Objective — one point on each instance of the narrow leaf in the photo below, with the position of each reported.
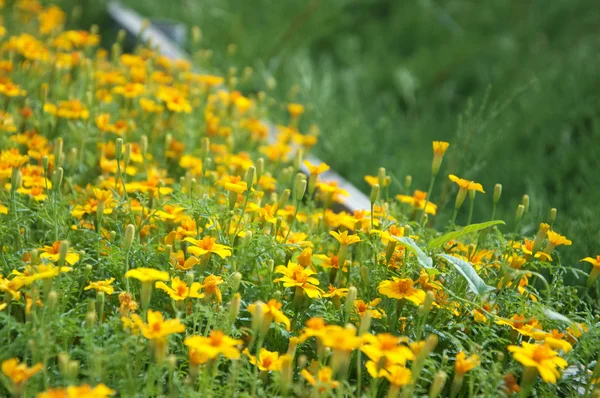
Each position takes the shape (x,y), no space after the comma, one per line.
(476,284)
(423,259)
(556,316)
(440,240)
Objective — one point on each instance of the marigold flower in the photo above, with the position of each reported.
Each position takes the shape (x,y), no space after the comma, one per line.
(102,286)
(210,285)
(362,307)
(82,391)
(315,327)
(385,345)
(439,149)
(266,361)
(340,339)
(147,274)
(157,327)
(233,184)
(555,239)
(52,253)
(217,343)
(418,201)
(398,376)
(18,372)
(207,245)
(295,110)
(316,169)
(540,357)
(272,312)
(179,290)
(464,364)
(344,238)
(466,184)
(401,288)
(295,275)
(324,380)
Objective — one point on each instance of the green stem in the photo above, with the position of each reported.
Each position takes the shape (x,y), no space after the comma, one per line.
(427,199)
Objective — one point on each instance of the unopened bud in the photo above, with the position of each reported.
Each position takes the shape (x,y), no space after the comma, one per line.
(519,214)
(52,299)
(236,280)
(381,173)
(525,202)
(439,381)
(460,198)
(365,322)
(364,274)
(57,178)
(234,307)
(260,167)
(196,34)
(298,159)
(119,148)
(283,199)
(350,299)
(553,212)
(63,250)
(375,189)
(129,235)
(247,238)
(45,162)
(250,176)
(205,147)
(257,315)
(144,145)
(300,187)
(497,192)
(58,150)
(407,183)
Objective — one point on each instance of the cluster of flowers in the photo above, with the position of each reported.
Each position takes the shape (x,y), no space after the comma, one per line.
(156,235)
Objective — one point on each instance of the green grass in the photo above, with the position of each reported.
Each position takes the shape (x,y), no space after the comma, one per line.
(383,78)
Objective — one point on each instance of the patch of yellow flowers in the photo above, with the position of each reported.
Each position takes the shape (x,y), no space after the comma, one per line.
(154,240)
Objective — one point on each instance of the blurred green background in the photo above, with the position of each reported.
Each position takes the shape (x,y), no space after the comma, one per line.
(514,85)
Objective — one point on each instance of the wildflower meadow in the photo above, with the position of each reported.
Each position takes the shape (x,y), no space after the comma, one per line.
(162,234)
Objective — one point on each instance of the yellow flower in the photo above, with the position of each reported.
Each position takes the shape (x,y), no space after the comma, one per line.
(210,285)
(147,274)
(267,360)
(295,110)
(594,261)
(540,357)
(18,372)
(520,324)
(157,327)
(179,290)
(102,286)
(398,376)
(344,238)
(440,147)
(51,253)
(272,312)
(233,184)
(340,339)
(466,184)
(464,364)
(82,391)
(401,288)
(179,261)
(297,276)
(324,380)
(385,345)
(316,169)
(555,239)
(418,201)
(207,245)
(315,327)
(130,90)
(554,339)
(362,307)
(217,343)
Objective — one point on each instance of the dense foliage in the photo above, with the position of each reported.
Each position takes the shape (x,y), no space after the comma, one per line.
(157,238)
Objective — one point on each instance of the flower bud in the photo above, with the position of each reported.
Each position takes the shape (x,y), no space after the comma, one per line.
(525,202)
(381,173)
(407,183)
(260,167)
(34,256)
(63,250)
(196,34)
(58,150)
(250,176)
(52,299)
(257,315)
(234,307)
(553,212)
(497,192)
(365,322)
(283,199)
(287,376)
(298,159)
(236,280)
(246,239)
(350,299)
(439,381)
(127,154)
(375,190)
(129,235)
(364,275)
(539,237)
(144,145)
(119,148)
(460,198)
(57,178)
(205,147)
(519,214)
(300,187)
(90,319)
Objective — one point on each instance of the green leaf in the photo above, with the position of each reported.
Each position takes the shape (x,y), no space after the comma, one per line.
(440,240)
(423,259)
(556,316)
(476,284)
